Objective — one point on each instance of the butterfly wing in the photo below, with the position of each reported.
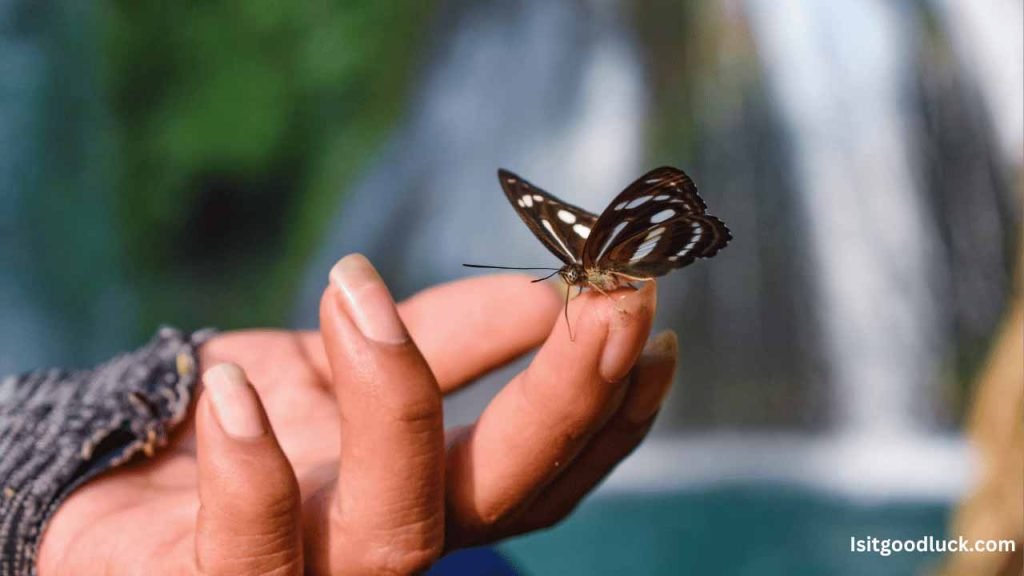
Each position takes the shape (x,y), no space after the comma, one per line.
(674,243)
(656,224)
(562,227)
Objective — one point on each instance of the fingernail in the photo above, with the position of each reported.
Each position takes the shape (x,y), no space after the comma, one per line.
(368,300)
(653,377)
(620,348)
(234,401)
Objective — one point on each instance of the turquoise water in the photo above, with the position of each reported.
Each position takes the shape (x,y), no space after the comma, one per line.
(762,531)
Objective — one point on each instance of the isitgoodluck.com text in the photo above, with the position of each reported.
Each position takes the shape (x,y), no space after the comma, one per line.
(888,546)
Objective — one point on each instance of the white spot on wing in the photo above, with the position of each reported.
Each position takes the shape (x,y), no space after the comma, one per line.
(693,241)
(521,203)
(661,197)
(566,216)
(526,201)
(653,234)
(538,198)
(638,201)
(620,206)
(644,249)
(551,231)
(611,237)
(582,230)
(662,216)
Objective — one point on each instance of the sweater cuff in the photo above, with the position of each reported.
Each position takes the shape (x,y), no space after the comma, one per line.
(59,429)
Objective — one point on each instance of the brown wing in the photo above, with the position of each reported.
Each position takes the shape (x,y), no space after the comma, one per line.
(562,227)
(657,223)
(671,244)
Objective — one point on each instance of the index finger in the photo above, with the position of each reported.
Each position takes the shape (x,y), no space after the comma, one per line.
(539,422)
(468,327)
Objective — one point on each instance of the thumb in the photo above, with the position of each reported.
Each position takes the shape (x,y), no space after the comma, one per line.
(249,519)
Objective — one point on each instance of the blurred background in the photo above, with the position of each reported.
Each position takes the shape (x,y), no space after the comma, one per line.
(204,164)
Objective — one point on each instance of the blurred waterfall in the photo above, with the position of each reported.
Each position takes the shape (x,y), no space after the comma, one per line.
(23,334)
(63,300)
(840,73)
(990,46)
(549,89)
(837,141)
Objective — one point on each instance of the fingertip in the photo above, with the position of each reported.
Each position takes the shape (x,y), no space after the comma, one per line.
(643,300)
(629,320)
(247,488)
(368,300)
(607,328)
(620,307)
(234,437)
(234,401)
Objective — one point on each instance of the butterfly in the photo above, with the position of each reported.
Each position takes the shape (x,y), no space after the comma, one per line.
(657,224)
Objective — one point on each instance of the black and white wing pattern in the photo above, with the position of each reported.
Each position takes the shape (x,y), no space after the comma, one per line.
(656,224)
(562,227)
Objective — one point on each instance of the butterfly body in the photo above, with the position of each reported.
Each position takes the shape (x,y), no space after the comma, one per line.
(577,275)
(658,223)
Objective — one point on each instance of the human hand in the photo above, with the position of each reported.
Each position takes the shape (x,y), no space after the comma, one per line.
(335,461)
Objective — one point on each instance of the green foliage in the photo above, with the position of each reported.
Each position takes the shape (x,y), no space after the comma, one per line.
(238,124)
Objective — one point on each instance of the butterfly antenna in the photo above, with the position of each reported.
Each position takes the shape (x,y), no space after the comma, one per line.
(568,289)
(545,278)
(507,267)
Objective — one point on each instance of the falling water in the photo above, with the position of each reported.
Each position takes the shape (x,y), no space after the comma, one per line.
(840,76)
(22,341)
(62,301)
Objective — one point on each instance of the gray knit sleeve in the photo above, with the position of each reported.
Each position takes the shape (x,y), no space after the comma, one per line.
(58,429)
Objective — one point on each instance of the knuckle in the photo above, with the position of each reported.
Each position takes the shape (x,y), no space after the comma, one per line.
(277,492)
(424,411)
(396,548)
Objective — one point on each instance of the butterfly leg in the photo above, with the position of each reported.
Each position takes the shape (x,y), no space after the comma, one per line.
(630,280)
(565,309)
(609,296)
